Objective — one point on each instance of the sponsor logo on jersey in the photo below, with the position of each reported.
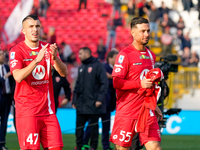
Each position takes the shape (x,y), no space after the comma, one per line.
(89,69)
(40,82)
(144,57)
(143,74)
(137,63)
(13,63)
(39,72)
(27,59)
(121,58)
(12,55)
(33,53)
(120,66)
(117,70)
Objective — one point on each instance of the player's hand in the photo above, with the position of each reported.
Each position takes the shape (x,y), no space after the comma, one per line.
(98,103)
(41,53)
(73,106)
(146,83)
(158,113)
(54,50)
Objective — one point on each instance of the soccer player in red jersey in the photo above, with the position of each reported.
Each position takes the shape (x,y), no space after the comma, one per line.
(131,66)
(30,63)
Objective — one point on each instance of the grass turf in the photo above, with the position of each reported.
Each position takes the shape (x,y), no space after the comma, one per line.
(169,142)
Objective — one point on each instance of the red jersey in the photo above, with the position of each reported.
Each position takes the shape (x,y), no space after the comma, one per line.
(34,95)
(131,65)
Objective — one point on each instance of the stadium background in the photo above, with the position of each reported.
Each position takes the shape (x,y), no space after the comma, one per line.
(84,28)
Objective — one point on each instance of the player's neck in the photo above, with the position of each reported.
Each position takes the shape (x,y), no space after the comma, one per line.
(31,44)
(139,47)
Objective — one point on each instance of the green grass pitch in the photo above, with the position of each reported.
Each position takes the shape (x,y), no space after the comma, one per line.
(169,142)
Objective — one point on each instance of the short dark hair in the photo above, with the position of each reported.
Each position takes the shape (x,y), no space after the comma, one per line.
(138,20)
(34,17)
(86,49)
(111,54)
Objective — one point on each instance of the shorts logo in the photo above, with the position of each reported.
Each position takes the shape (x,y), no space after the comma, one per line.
(143,73)
(39,72)
(121,58)
(12,55)
(117,70)
(114,137)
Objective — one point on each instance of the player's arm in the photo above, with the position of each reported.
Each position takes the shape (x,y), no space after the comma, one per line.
(58,64)
(21,74)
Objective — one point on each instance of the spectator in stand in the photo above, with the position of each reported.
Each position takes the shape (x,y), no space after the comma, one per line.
(112,24)
(130,11)
(166,42)
(185,57)
(101,50)
(58,83)
(44,4)
(187,4)
(186,41)
(80,3)
(177,42)
(194,59)
(72,59)
(180,24)
(166,21)
(163,9)
(34,10)
(116,7)
(43,34)
(67,51)
(140,5)
(153,15)
(51,37)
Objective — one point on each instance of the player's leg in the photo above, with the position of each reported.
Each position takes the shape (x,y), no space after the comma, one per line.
(151,137)
(153,145)
(117,147)
(51,136)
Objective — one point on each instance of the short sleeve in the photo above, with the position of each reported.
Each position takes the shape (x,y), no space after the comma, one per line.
(121,65)
(16,61)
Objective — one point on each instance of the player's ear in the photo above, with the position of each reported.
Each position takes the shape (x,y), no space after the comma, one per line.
(132,32)
(23,31)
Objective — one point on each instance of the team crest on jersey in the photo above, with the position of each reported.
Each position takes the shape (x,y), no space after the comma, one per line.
(12,55)
(39,72)
(33,53)
(57,79)
(144,57)
(121,59)
(89,69)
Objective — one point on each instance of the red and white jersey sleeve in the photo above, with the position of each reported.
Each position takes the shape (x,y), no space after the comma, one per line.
(34,95)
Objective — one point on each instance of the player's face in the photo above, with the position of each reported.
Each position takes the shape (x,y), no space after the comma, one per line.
(112,60)
(141,33)
(31,30)
(82,55)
